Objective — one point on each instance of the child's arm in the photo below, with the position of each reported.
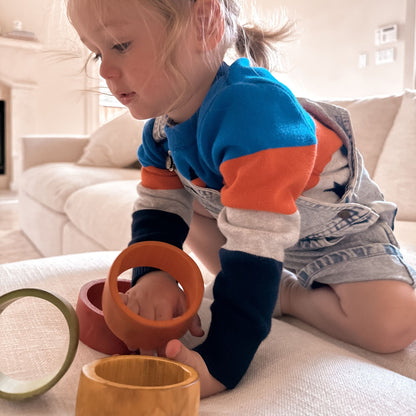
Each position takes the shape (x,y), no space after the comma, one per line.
(263,171)
(265,151)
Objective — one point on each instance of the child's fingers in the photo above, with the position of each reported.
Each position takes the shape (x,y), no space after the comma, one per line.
(124,297)
(130,302)
(163,312)
(195,328)
(175,350)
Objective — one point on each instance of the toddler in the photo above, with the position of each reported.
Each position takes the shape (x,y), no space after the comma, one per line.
(268,191)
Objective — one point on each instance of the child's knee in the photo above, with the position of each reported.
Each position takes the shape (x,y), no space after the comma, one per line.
(382,314)
(394,330)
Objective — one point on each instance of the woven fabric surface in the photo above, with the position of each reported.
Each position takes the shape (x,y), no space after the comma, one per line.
(294,372)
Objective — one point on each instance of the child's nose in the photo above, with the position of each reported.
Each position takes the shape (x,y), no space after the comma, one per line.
(108,70)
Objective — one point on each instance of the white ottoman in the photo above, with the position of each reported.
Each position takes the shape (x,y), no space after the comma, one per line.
(294,372)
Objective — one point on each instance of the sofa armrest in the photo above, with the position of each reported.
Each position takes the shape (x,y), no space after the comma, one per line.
(39,149)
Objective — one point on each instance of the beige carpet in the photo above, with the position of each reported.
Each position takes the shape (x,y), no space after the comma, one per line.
(14,246)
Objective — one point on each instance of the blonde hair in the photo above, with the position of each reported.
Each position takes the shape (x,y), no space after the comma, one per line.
(253,41)
(248,40)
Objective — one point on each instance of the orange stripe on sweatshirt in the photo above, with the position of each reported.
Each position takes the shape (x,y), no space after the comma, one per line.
(199,182)
(155,178)
(328,143)
(269,180)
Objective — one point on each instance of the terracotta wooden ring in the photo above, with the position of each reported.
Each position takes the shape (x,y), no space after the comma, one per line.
(131,385)
(93,331)
(133,329)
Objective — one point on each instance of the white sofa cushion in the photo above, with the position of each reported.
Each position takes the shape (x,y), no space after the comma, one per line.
(396,169)
(372,119)
(42,225)
(75,241)
(405,232)
(103,212)
(397,362)
(293,373)
(51,184)
(115,143)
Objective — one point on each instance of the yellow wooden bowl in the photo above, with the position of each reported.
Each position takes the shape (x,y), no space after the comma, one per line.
(128,385)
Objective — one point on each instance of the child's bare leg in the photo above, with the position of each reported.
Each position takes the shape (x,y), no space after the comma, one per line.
(377,315)
(205,239)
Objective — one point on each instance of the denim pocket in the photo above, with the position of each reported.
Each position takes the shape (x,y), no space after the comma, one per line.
(330,222)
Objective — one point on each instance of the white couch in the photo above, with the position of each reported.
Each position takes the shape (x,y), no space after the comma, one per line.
(77,192)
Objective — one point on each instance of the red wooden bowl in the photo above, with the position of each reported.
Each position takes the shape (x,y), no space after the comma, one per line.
(133,329)
(93,331)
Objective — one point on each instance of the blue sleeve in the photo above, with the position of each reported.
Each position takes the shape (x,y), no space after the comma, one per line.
(152,152)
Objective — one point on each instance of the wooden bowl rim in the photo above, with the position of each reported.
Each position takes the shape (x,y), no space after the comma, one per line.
(84,292)
(89,370)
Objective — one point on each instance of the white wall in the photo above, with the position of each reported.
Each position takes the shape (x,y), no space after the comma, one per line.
(323,62)
(331,35)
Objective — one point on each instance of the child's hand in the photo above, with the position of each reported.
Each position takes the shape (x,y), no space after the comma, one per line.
(175,350)
(157,296)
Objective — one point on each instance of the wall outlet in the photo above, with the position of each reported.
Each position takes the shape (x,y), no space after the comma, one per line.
(385,56)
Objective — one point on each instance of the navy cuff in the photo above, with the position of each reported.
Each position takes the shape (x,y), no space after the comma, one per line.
(156,225)
(245,293)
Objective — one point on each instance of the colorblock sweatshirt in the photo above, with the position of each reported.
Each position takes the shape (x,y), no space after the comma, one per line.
(246,155)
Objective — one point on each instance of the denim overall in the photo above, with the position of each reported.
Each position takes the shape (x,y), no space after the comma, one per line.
(347,241)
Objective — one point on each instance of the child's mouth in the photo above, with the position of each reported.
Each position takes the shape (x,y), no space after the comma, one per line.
(126,98)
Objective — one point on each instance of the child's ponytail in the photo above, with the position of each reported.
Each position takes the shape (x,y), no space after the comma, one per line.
(253,41)
(257,44)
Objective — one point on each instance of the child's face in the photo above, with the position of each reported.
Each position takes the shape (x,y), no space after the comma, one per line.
(128,45)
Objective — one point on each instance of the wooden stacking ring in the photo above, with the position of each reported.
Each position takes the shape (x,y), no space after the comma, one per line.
(13,389)
(93,331)
(133,329)
(131,385)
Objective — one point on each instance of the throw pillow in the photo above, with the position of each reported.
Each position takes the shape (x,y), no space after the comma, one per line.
(115,143)
(372,119)
(396,168)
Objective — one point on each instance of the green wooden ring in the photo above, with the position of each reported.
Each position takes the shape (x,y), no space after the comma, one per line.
(12,389)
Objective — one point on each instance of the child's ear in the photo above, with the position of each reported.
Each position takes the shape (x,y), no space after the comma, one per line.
(208,23)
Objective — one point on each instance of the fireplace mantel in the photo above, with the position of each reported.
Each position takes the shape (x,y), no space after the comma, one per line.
(9,82)
(31,45)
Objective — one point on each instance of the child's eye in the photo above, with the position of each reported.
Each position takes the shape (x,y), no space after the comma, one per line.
(122,47)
